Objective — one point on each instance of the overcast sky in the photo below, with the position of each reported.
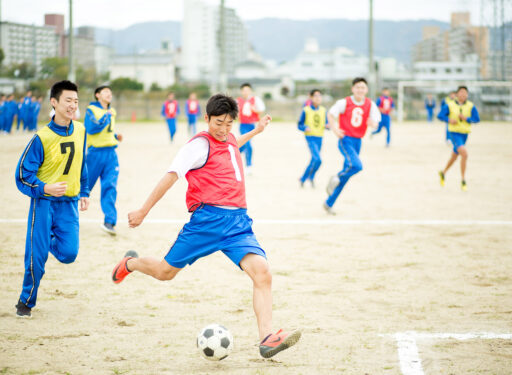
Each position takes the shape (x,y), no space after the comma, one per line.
(118,14)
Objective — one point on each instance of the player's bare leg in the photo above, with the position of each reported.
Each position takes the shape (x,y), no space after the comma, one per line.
(159,269)
(272,343)
(257,268)
(452,159)
(463,162)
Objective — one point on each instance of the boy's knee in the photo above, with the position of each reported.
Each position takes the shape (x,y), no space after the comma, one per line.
(67,258)
(356,168)
(164,274)
(263,277)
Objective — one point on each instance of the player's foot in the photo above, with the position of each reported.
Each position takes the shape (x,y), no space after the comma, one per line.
(109,228)
(22,310)
(277,342)
(121,270)
(441,178)
(329,209)
(334,181)
(248,171)
(463,185)
(312,184)
(301,183)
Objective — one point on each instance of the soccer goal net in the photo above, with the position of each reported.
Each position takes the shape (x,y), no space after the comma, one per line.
(492,98)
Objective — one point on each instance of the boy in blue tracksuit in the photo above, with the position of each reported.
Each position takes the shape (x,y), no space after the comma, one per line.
(53,173)
(386,104)
(19,115)
(102,161)
(12,110)
(312,122)
(25,110)
(3,113)
(32,114)
(430,105)
(192,110)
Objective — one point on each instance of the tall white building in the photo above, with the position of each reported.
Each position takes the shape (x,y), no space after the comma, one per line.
(27,43)
(200,57)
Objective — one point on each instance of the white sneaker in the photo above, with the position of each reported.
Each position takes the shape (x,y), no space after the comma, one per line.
(109,228)
(329,210)
(334,181)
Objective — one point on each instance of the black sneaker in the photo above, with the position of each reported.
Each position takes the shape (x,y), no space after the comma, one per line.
(22,310)
(109,228)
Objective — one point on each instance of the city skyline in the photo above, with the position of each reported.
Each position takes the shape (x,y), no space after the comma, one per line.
(102,14)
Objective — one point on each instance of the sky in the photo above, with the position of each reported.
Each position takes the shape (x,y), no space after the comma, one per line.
(118,14)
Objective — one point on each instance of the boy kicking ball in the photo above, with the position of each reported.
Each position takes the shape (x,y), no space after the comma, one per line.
(212,165)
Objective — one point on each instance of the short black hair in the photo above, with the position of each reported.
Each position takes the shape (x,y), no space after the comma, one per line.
(312,92)
(462,87)
(98,89)
(60,86)
(359,79)
(220,104)
(245,84)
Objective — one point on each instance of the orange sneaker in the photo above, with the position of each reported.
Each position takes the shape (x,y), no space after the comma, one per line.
(279,341)
(120,270)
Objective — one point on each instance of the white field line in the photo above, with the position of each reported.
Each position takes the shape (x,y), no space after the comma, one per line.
(408,355)
(428,222)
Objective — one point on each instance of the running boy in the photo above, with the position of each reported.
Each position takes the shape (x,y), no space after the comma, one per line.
(212,164)
(53,173)
(459,114)
(385,104)
(312,122)
(250,108)
(102,161)
(354,114)
(170,111)
(193,111)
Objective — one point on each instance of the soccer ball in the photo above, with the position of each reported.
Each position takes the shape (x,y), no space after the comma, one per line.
(215,342)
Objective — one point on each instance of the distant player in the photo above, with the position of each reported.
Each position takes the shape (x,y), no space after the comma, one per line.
(460,114)
(312,122)
(53,173)
(25,110)
(250,107)
(3,112)
(102,161)
(193,111)
(12,110)
(385,103)
(430,105)
(445,101)
(212,164)
(349,119)
(170,111)
(308,101)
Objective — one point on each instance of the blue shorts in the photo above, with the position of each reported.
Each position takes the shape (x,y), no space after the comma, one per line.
(211,229)
(457,139)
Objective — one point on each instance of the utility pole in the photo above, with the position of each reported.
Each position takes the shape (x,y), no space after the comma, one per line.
(502,29)
(371,67)
(71,64)
(222,50)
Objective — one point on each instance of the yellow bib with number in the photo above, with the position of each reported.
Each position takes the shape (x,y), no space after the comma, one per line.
(462,126)
(315,121)
(106,137)
(63,157)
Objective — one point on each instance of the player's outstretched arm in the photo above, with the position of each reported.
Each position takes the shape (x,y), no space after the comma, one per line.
(260,126)
(136,217)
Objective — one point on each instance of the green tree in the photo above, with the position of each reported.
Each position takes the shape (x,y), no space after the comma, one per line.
(23,70)
(155,87)
(124,84)
(86,77)
(55,68)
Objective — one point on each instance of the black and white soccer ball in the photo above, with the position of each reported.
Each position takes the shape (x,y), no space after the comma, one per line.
(215,342)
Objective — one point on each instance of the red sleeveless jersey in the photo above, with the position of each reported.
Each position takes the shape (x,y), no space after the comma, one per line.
(247,115)
(220,181)
(193,106)
(354,121)
(171,107)
(385,104)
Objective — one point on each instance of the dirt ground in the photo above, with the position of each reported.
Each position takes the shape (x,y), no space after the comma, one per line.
(384,264)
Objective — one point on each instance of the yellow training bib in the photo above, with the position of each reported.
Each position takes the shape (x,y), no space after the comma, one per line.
(462,126)
(63,157)
(315,120)
(106,137)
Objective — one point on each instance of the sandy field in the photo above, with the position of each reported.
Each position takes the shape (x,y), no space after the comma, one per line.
(402,255)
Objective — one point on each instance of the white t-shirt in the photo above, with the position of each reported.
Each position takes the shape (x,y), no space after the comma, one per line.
(258,103)
(192,155)
(339,108)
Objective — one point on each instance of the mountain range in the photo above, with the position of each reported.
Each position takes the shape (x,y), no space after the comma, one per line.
(282,39)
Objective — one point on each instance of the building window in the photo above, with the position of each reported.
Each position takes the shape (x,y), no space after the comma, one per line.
(448,70)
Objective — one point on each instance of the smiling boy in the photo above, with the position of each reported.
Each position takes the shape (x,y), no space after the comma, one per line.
(212,164)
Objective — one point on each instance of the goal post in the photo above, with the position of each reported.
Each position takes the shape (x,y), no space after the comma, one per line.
(446,86)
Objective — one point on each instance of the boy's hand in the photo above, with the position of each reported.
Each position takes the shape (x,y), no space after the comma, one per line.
(135,218)
(262,124)
(56,190)
(119,137)
(461,116)
(453,121)
(84,203)
(307,129)
(372,124)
